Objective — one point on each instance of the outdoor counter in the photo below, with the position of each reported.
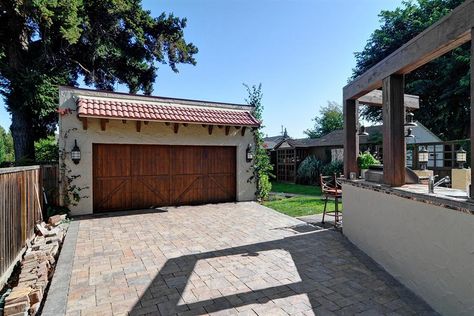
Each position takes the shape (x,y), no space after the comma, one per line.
(444,197)
(426,241)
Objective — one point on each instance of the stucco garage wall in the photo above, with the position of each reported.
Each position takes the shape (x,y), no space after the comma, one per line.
(428,248)
(152,134)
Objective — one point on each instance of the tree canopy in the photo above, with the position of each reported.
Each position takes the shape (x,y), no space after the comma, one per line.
(47,149)
(102,43)
(6,146)
(330,119)
(443,84)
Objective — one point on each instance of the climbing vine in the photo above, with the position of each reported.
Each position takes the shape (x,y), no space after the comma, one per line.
(261,166)
(72,193)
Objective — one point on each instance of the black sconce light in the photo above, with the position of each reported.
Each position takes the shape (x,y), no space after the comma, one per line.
(75,153)
(461,157)
(410,133)
(249,153)
(362,131)
(410,119)
(423,157)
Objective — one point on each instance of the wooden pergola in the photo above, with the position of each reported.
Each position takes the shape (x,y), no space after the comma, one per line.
(448,33)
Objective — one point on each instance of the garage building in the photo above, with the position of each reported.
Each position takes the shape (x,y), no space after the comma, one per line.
(139,152)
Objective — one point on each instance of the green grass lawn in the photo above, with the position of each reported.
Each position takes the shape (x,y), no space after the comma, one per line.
(299,206)
(281,187)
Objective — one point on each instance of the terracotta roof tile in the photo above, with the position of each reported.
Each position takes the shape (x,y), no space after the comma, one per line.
(90,107)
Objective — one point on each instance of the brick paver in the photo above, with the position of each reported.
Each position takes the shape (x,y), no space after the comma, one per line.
(225,259)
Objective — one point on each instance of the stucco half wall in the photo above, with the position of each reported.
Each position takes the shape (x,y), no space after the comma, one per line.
(70,129)
(428,248)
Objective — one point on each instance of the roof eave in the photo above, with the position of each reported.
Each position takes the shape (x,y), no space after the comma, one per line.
(80,115)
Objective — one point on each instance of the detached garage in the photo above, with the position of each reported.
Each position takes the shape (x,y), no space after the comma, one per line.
(126,152)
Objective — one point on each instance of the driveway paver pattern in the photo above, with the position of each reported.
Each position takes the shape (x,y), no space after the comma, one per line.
(225,259)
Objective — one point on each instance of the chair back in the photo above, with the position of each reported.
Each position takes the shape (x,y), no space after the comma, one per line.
(330,185)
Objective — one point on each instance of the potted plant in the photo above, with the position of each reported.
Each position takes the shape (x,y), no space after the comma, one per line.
(365,160)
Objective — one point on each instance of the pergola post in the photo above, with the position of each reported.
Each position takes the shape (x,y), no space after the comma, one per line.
(351,141)
(471,188)
(393,130)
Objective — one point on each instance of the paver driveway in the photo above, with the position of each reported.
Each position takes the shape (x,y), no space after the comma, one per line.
(234,258)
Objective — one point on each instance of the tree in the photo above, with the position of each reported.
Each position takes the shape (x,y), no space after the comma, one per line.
(443,84)
(330,119)
(261,165)
(47,149)
(44,44)
(6,146)
(2,148)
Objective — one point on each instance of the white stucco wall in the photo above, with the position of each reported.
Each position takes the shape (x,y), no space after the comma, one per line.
(153,134)
(430,249)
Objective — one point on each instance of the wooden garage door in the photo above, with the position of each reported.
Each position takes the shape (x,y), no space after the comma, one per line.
(147,176)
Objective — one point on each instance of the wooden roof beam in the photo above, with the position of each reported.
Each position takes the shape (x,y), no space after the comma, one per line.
(84,123)
(103,123)
(374,98)
(448,33)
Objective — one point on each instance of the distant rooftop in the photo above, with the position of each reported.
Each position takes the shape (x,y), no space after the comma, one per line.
(336,138)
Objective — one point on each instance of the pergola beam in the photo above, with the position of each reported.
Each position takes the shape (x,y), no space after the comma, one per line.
(448,33)
(451,31)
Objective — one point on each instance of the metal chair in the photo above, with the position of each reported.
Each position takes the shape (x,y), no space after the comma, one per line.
(331,188)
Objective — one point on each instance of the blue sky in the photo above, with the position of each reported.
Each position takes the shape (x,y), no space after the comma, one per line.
(300,50)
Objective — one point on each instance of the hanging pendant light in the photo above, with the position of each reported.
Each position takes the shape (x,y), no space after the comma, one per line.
(423,157)
(410,119)
(461,157)
(409,133)
(362,131)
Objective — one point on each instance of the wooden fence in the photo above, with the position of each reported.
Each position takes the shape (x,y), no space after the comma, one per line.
(20,209)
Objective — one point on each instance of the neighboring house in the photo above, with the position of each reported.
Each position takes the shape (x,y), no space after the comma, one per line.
(139,152)
(290,152)
(270,143)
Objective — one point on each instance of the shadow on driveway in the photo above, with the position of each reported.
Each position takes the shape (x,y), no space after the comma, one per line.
(333,275)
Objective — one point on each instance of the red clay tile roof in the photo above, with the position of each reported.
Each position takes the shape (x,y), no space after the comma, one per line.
(132,110)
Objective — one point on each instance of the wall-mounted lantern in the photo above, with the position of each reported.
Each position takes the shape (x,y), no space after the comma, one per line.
(75,153)
(249,153)
(423,157)
(461,157)
(362,131)
(410,119)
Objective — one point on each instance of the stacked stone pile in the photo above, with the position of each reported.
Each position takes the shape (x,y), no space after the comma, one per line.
(37,267)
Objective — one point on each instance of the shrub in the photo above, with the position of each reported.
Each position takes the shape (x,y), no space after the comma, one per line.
(309,170)
(365,160)
(47,149)
(334,167)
